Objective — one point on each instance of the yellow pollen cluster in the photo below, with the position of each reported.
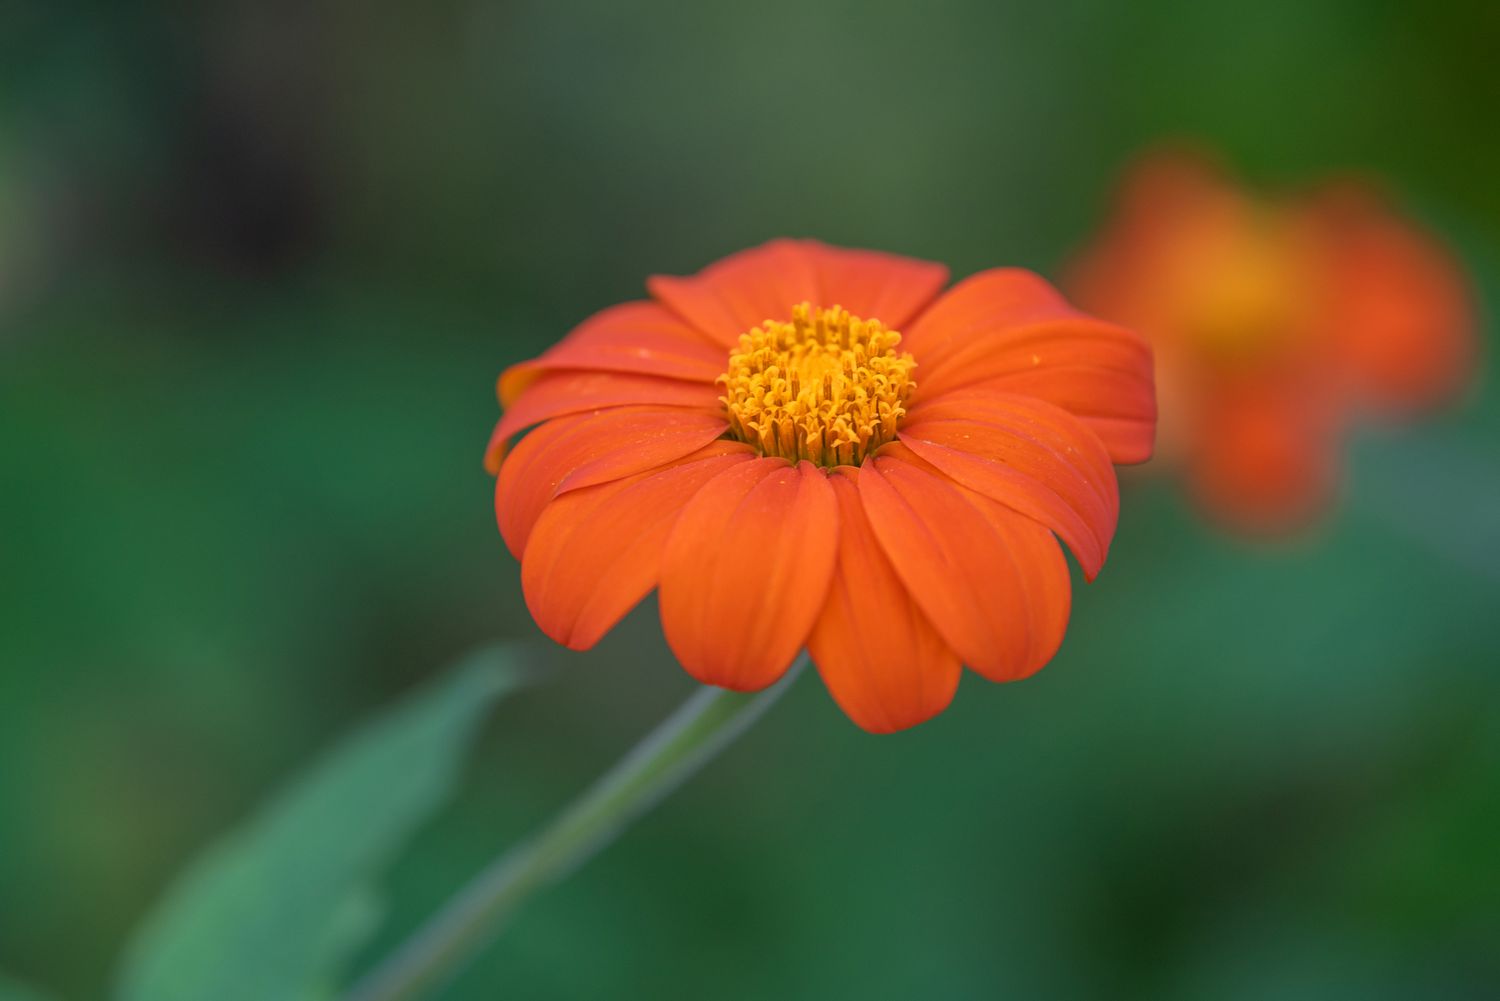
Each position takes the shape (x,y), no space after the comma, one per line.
(827,386)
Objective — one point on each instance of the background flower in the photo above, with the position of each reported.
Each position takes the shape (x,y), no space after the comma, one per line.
(1278,322)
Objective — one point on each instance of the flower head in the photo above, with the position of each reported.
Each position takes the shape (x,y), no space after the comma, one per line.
(801,448)
(1276,321)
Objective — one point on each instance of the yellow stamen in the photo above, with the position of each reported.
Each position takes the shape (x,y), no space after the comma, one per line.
(827,386)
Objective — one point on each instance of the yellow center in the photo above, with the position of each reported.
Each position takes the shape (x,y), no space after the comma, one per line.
(826,386)
(1243,294)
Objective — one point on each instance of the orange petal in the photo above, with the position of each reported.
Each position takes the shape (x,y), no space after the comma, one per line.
(746,571)
(596,552)
(994,583)
(1030,456)
(1396,302)
(1042,574)
(744,290)
(1009,330)
(1265,457)
(639,337)
(578,451)
(556,394)
(870,283)
(883,662)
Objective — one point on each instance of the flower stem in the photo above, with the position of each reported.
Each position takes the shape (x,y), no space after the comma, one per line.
(687,740)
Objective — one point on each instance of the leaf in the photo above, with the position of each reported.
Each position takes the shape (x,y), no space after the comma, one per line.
(275,910)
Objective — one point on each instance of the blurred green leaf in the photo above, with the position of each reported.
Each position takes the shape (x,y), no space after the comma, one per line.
(274,911)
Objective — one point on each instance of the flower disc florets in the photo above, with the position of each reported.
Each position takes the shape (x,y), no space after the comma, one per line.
(826,386)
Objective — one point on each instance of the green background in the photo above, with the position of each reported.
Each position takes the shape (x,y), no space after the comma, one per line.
(259,266)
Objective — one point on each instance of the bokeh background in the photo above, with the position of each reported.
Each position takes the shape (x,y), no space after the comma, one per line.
(259,266)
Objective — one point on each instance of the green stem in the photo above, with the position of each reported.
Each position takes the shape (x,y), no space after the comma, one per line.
(688,739)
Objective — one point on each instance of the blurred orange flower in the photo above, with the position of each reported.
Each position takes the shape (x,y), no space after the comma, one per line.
(761,442)
(1275,321)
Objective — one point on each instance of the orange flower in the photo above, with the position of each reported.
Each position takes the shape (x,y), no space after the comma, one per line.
(802,449)
(1275,322)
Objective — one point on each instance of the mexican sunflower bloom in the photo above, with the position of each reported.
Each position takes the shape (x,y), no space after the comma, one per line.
(1277,322)
(806,446)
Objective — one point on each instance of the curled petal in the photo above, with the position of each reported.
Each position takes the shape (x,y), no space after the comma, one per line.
(1010,331)
(1042,577)
(557,394)
(639,337)
(993,582)
(744,290)
(882,660)
(1028,455)
(579,451)
(746,571)
(596,552)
